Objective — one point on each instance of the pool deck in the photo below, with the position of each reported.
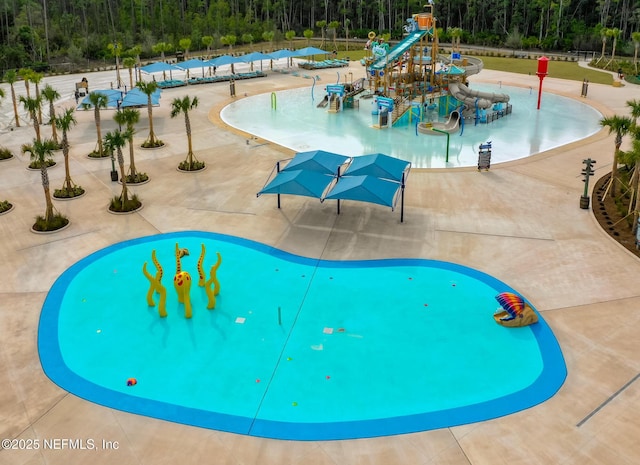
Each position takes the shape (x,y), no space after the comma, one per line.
(519,222)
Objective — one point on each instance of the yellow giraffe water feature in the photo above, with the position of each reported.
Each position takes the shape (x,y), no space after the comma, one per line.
(212,293)
(182,282)
(155,285)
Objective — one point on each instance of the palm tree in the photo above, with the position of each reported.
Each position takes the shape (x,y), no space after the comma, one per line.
(347,23)
(161,48)
(308,34)
(129,63)
(635,37)
(621,125)
(207,41)
(456,34)
(32,105)
(11,77)
(51,95)
(114,141)
(116,50)
(25,74)
(4,152)
(65,122)
(40,152)
(604,34)
(229,40)
(321,24)
(36,78)
(149,88)
(184,105)
(247,39)
(289,35)
(185,45)
(334,25)
(97,100)
(135,52)
(129,117)
(615,33)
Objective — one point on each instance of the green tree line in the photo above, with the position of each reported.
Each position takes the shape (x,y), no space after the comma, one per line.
(37,32)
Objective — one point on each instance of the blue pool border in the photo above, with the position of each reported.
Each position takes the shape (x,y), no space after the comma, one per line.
(544,387)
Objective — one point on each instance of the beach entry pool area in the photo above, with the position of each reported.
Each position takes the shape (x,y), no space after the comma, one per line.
(296,348)
(297,123)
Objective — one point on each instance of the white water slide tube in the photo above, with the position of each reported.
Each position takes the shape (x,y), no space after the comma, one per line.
(469,96)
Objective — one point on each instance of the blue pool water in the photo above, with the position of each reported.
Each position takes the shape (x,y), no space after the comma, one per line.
(298,124)
(296,348)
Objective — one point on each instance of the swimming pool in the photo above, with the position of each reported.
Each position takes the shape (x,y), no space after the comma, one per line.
(296,348)
(298,124)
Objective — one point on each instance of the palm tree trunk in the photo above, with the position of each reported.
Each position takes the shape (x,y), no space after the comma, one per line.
(48,214)
(96,114)
(614,169)
(132,162)
(187,124)
(36,126)
(15,106)
(67,174)
(152,137)
(124,197)
(52,115)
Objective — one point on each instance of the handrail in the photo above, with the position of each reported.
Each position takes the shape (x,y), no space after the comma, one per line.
(448,136)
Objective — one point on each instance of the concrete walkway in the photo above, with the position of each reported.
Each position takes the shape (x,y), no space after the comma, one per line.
(519,222)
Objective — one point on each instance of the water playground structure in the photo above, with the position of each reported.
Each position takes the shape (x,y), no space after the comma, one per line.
(413,83)
(182,282)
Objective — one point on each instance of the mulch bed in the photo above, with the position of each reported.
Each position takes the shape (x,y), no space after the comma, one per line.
(610,218)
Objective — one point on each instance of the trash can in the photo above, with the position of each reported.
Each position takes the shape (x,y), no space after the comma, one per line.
(584,202)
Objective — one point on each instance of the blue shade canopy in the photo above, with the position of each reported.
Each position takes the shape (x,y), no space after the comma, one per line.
(193,63)
(298,182)
(365,189)
(303,52)
(113,95)
(255,56)
(136,98)
(224,60)
(283,54)
(378,165)
(317,161)
(158,67)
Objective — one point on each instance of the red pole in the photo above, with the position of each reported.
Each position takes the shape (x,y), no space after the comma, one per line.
(543,63)
(541,76)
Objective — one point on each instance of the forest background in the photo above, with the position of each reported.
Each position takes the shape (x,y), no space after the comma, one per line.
(40,33)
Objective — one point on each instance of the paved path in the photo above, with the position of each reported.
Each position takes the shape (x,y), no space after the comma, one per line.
(520,222)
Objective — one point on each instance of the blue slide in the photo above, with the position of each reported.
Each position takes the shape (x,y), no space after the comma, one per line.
(397,51)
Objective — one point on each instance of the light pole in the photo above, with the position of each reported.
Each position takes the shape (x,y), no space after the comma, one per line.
(115,52)
(114,172)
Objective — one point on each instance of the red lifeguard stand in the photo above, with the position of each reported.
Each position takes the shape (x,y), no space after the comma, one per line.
(543,66)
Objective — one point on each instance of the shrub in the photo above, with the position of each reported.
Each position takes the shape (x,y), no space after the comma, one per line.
(149,145)
(75,191)
(57,222)
(5,206)
(138,178)
(195,166)
(35,165)
(5,153)
(132,204)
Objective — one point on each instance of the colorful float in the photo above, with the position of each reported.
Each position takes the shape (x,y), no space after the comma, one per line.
(514,312)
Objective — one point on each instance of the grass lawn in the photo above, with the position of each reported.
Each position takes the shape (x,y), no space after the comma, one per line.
(557,69)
